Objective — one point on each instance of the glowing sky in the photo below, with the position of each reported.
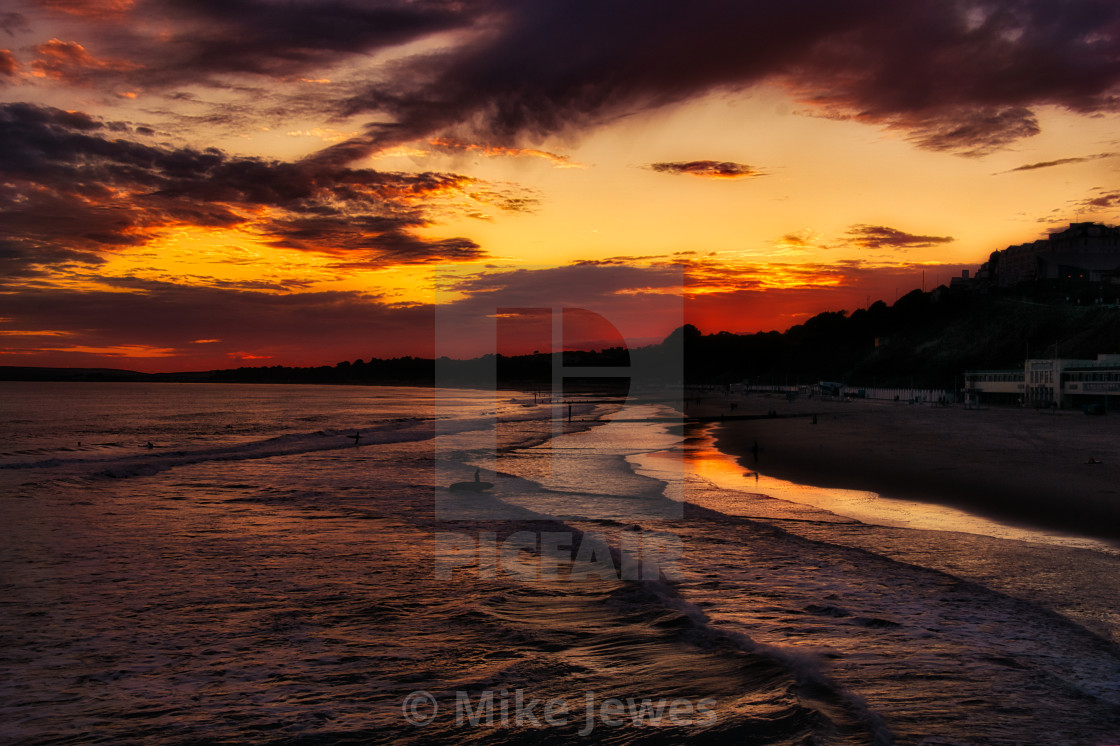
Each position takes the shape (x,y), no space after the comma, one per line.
(215,183)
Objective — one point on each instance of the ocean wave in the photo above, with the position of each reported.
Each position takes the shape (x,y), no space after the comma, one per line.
(160,458)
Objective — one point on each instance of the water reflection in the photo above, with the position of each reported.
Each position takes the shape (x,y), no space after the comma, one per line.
(702,461)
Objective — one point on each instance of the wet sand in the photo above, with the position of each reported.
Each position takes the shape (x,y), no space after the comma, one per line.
(1078,579)
(1056,470)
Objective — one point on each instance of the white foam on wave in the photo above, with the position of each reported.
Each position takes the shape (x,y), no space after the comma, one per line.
(156,460)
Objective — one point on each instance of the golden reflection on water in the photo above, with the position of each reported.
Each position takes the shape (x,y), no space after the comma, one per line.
(701,460)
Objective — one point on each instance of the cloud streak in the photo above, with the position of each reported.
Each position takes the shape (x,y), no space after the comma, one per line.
(885,237)
(448,145)
(707,169)
(1061,162)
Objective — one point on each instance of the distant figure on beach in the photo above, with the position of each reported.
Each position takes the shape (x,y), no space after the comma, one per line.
(476,486)
(356,436)
(149,446)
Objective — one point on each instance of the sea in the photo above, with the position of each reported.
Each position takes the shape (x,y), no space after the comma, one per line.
(273,564)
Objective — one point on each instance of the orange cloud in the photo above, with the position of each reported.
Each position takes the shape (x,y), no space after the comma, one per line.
(127,351)
(68,61)
(36,333)
(9,65)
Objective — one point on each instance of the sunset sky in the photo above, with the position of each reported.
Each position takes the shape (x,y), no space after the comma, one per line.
(217,183)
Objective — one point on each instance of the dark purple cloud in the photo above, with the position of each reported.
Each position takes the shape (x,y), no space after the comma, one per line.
(1107,199)
(957,76)
(963,76)
(283,39)
(175,43)
(708,169)
(10,23)
(965,130)
(885,237)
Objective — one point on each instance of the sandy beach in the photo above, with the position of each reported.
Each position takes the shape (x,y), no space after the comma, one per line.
(1057,470)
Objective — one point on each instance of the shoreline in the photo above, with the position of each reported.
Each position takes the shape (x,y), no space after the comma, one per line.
(1076,578)
(1018,467)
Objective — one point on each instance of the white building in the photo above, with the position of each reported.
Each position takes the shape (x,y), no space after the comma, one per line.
(1060,382)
